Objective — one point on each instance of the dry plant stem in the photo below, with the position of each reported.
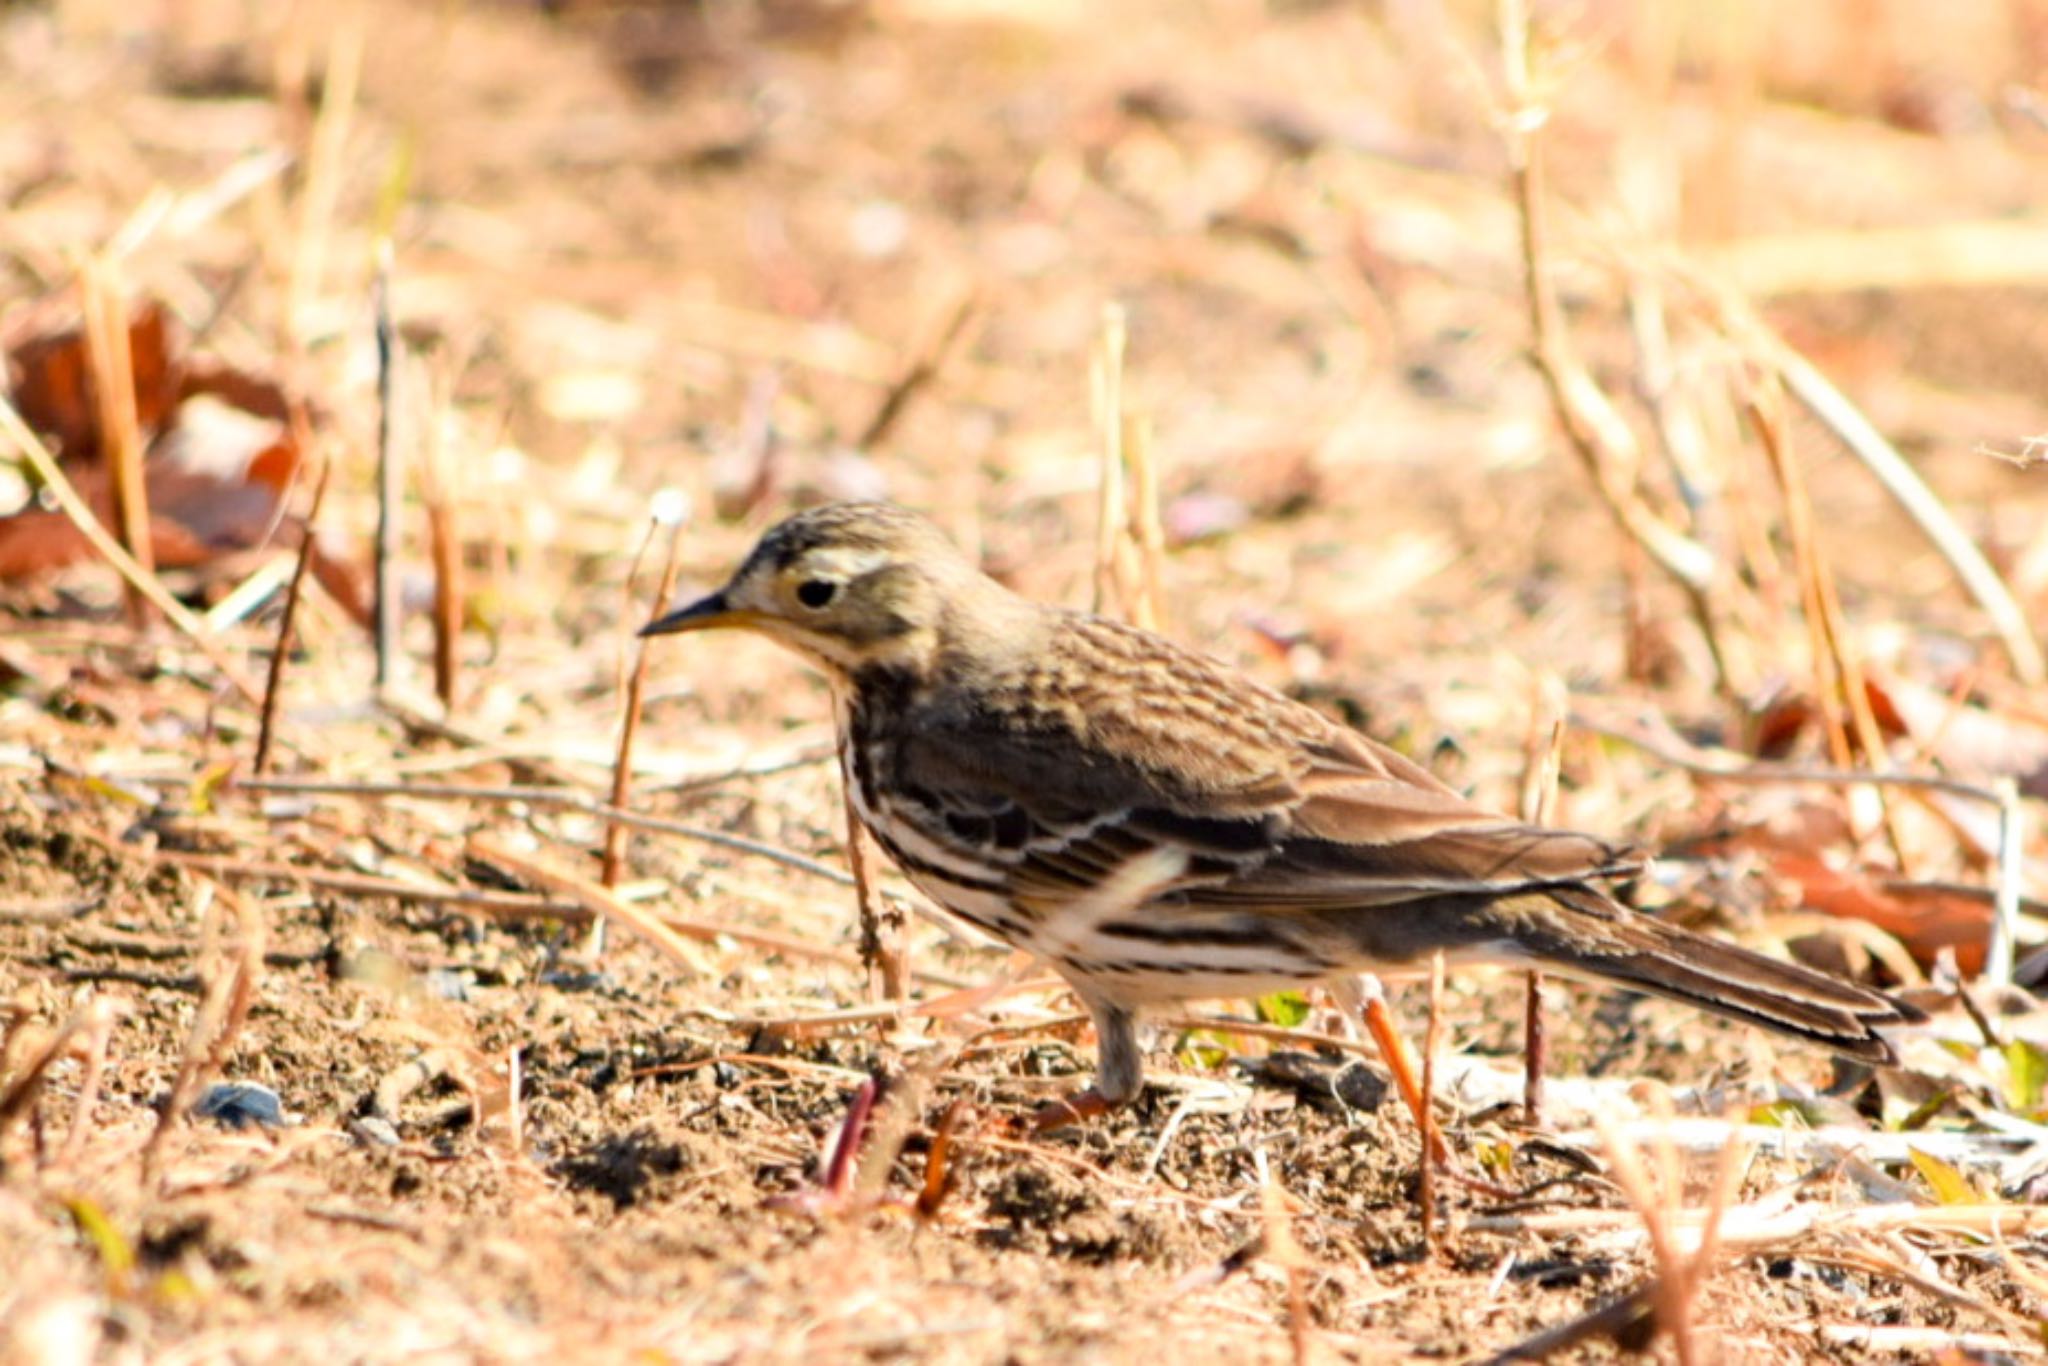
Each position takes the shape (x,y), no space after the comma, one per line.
(1899,479)
(254,934)
(325,161)
(633,690)
(567,798)
(927,362)
(1680,1276)
(144,582)
(515,1121)
(390,477)
(18,1095)
(1620,1319)
(2005,921)
(939,1168)
(1674,751)
(1541,760)
(1594,431)
(1282,1248)
(508,905)
(1111,517)
(273,684)
(444,549)
(101,1013)
(113,385)
(1838,674)
(230,989)
(1366,1001)
(1431,1236)
(1149,532)
(597,900)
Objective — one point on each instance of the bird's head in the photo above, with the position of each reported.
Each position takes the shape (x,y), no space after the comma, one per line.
(849,585)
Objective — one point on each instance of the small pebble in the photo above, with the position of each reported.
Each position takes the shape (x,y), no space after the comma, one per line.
(373,1131)
(239,1104)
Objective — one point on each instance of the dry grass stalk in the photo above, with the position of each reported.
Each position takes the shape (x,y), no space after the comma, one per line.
(1363,1000)
(1431,1038)
(940,1169)
(113,386)
(230,990)
(325,161)
(1149,611)
(101,1013)
(27,1054)
(1112,516)
(1838,674)
(1680,1276)
(595,899)
(2005,920)
(1285,1251)
(143,581)
(882,950)
(444,552)
(1595,430)
(1542,754)
(927,361)
(390,591)
(1861,439)
(515,1113)
(273,684)
(632,688)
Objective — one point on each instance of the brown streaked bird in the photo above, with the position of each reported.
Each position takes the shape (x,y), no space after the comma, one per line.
(1159,827)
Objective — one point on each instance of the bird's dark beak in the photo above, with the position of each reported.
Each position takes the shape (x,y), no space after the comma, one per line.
(701,615)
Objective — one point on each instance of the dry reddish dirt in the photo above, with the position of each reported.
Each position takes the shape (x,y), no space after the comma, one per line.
(696,248)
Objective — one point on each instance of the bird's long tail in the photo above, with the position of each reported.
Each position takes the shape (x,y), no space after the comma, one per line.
(1629,949)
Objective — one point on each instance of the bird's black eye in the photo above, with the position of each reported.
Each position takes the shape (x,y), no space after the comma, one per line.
(816,593)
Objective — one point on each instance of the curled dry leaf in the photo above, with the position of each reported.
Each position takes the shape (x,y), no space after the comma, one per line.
(221,457)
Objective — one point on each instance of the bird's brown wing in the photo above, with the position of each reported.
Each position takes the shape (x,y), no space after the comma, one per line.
(1271,804)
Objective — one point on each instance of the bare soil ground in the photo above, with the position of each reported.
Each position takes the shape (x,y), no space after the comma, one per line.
(702,249)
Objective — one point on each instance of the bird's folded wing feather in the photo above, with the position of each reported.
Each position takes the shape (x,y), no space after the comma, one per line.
(1328,821)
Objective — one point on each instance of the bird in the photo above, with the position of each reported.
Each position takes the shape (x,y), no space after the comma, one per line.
(1157,826)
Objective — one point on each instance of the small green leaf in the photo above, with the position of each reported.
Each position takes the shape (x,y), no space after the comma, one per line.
(206,791)
(117,1255)
(1949,1185)
(1284,1008)
(2026,1075)
(1926,1110)
(1204,1048)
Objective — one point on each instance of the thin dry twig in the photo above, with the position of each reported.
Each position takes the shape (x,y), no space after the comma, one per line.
(1431,1236)
(1838,674)
(1111,515)
(928,359)
(1596,432)
(229,992)
(390,478)
(1542,754)
(1283,1249)
(273,684)
(102,1014)
(113,367)
(631,692)
(444,553)
(1146,529)
(1861,438)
